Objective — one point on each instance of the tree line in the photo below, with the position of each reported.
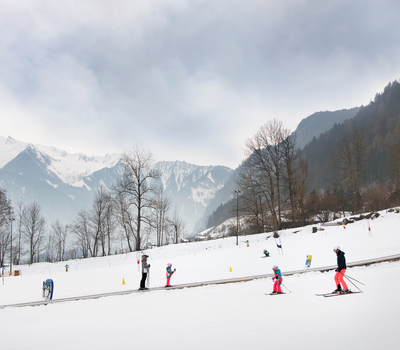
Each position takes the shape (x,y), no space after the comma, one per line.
(121,219)
(352,168)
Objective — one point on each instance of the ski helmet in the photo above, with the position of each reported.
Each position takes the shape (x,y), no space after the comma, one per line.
(274,267)
(169,264)
(336,248)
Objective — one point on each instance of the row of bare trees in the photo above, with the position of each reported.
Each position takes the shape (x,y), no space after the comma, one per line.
(135,208)
(121,219)
(22,232)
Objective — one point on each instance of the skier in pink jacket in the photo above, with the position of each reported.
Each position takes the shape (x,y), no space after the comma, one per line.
(278,280)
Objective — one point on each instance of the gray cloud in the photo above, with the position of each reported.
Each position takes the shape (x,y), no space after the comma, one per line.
(187,80)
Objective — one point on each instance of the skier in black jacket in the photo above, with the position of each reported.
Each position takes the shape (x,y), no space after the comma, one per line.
(340,271)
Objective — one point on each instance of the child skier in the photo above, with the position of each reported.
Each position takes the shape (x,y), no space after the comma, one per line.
(266,253)
(340,271)
(278,280)
(169,274)
(145,269)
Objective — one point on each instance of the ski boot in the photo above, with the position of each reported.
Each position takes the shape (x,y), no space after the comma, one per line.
(338,290)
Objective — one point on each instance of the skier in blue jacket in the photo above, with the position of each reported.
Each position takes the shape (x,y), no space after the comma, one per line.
(169,274)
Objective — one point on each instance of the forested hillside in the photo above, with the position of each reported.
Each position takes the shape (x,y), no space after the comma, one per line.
(380,124)
(354,166)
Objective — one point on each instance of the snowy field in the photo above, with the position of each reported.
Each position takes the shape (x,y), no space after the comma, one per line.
(226,316)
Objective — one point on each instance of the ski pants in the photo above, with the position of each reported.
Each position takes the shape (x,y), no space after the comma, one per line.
(143,281)
(168,281)
(339,279)
(277,285)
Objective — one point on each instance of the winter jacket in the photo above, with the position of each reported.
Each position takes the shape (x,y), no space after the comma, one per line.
(169,272)
(145,266)
(341,261)
(278,275)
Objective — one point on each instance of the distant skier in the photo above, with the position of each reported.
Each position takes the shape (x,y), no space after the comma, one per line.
(66,268)
(266,253)
(169,274)
(340,271)
(145,270)
(248,243)
(47,289)
(278,280)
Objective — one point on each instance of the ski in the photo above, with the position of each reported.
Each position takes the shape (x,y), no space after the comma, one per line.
(323,294)
(337,294)
(333,294)
(275,293)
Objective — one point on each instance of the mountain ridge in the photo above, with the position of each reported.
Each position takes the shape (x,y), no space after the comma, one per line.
(65,183)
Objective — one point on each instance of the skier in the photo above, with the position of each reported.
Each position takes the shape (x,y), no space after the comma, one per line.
(145,269)
(66,268)
(266,253)
(248,243)
(340,271)
(278,280)
(169,274)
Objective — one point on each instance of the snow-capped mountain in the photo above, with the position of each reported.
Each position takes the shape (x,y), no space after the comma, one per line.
(192,187)
(70,168)
(63,183)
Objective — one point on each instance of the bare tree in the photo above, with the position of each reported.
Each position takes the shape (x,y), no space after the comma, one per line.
(18,247)
(252,204)
(162,206)
(34,228)
(178,226)
(59,234)
(102,222)
(125,219)
(83,233)
(135,185)
(6,214)
(294,173)
(49,248)
(264,151)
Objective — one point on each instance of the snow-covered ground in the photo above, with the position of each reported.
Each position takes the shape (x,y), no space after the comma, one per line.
(226,316)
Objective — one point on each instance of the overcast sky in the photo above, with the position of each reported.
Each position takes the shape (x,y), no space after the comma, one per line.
(187,80)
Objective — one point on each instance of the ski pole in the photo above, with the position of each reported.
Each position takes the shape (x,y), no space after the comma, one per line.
(355,280)
(286,287)
(352,283)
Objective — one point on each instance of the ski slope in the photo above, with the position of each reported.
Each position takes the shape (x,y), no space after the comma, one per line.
(223,316)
